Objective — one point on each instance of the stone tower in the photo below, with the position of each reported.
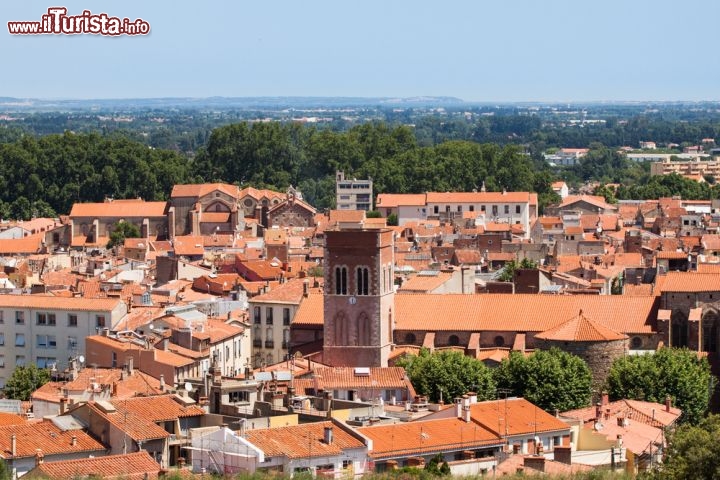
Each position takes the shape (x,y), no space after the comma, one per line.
(359,297)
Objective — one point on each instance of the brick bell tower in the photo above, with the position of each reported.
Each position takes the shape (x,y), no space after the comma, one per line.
(359,297)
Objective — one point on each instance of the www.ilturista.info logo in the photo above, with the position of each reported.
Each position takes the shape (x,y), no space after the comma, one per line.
(57,21)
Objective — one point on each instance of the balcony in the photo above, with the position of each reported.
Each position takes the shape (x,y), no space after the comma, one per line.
(269,344)
(257,343)
(285,344)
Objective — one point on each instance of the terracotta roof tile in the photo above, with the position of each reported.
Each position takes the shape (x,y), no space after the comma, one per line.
(202,189)
(58,303)
(580,329)
(290,292)
(423,283)
(594,200)
(429,436)
(478,197)
(345,378)
(691,282)
(522,417)
(132,466)
(189,245)
(301,441)
(122,209)
(47,437)
(393,200)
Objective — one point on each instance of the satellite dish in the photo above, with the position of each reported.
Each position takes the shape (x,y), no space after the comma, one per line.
(151,326)
(188,387)
(81,358)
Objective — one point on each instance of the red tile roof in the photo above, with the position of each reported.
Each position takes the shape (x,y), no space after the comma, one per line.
(200,190)
(691,282)
(290,292)
(189,245)
(345,378)
(393,200)
(58,303)
(515,416)
(302,441)
(478,197)
(581,329)
(132,466)
(426,437)
(121,209)
(47,437)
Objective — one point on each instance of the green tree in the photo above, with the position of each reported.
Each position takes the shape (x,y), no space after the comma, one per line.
(392,220)
(692,452)
(677,373)
(372,214)
(450,372)
(25,380)
(5,472)
(508,272)
(551,379)
(121,231)
(438,466)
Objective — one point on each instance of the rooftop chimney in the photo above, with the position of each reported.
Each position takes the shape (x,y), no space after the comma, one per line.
(39,457)
(328,435)
(668,403)
(306,285)
(13,445)
(73,441)
(536,462)
(162,382)
(604,398)
(563,455)
(130,365)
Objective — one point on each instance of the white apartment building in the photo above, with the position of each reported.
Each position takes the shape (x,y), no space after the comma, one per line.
(500,207)
(48,330)
(353,194)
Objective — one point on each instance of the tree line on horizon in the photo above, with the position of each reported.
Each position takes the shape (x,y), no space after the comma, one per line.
(45,176)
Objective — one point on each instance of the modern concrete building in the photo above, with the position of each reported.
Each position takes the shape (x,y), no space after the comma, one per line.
(353,194)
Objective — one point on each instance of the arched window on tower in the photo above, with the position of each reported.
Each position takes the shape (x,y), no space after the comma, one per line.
(363,281)
(340,280)
(710,331)
(679,329)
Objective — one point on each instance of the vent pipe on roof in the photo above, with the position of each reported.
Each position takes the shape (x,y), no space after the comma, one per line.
(13,445)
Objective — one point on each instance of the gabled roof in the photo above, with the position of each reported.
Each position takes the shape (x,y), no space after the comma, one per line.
(427,437)
(594,200)
(515,416)
(691,282)
(346,378)
(290,292)
(189,245)
(47,437)
(202,189)
(118,208)
(581,329)
(59,303)
(132,466)
(303,441)
(478,197)
(394,200)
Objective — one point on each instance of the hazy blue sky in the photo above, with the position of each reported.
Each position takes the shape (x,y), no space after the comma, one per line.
(481,50)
